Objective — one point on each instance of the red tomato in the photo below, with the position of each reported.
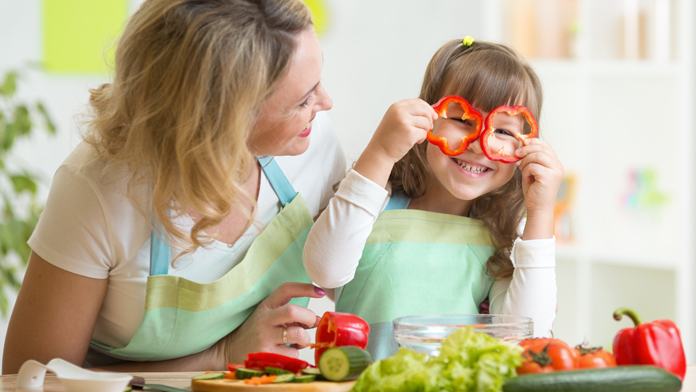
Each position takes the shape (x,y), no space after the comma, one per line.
(594,357)
(547,355)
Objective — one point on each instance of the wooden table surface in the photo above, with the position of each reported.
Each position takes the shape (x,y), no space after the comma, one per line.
(8,383)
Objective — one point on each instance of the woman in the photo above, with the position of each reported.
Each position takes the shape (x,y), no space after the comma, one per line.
(165,207)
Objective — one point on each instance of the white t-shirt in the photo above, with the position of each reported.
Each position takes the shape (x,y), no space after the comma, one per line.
(337,239)
(90,228)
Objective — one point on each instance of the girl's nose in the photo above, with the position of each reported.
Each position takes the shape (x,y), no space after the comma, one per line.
(475,146)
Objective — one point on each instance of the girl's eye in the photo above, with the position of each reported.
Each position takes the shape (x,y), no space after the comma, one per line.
(503,132)
(463,121)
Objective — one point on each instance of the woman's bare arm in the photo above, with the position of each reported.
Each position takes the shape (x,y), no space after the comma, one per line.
(53,317)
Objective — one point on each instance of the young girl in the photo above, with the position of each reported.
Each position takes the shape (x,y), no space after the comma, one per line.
(414,231)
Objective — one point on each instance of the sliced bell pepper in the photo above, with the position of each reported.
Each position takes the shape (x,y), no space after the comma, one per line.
(263,360)
(469,113)
(340,329)
(503,156)
(655,343)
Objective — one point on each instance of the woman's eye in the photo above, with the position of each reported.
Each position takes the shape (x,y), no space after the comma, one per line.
(306,102)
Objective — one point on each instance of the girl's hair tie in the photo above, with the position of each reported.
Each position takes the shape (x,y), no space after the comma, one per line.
(468,41)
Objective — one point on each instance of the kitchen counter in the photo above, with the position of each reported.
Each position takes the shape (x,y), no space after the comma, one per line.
(183,380)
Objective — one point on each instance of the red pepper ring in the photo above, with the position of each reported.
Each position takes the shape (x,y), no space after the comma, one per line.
(469,112)
(513,111)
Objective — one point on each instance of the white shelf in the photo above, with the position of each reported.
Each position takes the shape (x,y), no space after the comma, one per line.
(618,257)
(627,256)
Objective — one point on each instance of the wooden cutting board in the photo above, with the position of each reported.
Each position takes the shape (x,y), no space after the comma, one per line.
(239,385)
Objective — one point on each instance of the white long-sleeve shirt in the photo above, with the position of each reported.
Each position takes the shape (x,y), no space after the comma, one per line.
(336,241)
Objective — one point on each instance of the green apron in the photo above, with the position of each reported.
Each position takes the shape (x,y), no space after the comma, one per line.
(184,317)
(414,263)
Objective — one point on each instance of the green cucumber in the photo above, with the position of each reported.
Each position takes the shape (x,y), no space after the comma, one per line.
(344,363)
(625,378)
(281,378)
(305,378)
(244,373)
(276,371)
(209,376)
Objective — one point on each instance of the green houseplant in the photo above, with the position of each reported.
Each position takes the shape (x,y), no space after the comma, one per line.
(19,207)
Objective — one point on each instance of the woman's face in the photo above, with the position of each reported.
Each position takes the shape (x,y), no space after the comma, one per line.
(285,121)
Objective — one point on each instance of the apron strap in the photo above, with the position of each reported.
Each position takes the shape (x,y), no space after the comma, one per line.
(159,249)
(159,255)
(280,184)
(398,201)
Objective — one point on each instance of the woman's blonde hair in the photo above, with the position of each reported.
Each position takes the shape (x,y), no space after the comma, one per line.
(190,79)
(487,75)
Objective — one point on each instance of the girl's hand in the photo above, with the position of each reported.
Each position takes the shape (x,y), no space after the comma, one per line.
(263,329)
(404,124)
(542,174)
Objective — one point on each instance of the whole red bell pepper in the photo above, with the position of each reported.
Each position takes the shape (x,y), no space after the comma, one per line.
(469,113)
(503,156)
(340,329)
(264,360)
(656,343)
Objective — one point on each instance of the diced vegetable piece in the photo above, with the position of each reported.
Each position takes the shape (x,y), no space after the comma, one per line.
(344,363)
(209,376)
(261,380)
(244,373)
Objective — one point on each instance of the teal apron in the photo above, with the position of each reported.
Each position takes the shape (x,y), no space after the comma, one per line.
(184,317)
(414,263)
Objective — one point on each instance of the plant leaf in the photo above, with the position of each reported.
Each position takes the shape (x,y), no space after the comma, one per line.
(22,120)
(10,85)
(7,140)
(23,183)
(50,126)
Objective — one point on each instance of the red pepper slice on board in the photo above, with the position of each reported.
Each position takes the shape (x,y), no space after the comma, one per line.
(469,112)
(233,366)
(655,343)
(263,360)
(488,129)
(340,329)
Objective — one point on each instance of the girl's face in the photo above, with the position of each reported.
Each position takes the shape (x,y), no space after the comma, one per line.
(471,174)
(284,125)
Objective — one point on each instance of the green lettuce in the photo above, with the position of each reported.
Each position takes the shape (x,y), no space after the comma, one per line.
(468,361)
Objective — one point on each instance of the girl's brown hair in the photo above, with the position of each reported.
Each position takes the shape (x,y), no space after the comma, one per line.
(190,77)
(487,75)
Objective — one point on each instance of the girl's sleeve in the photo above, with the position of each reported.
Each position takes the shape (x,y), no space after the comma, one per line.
(336,241)
(531,292)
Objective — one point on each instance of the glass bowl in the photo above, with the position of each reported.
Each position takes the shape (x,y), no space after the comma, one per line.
(425,333)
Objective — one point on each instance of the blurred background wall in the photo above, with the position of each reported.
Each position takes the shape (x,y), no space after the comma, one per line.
(619,91)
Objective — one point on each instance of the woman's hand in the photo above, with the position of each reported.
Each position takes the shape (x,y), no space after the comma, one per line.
(263,330)
(404,124)
(542,174)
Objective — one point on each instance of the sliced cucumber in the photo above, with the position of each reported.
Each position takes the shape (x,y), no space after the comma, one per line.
(312,371)
(209,376)
(281,378)
(244,373)
(344,363)
(305,378)
(276,371)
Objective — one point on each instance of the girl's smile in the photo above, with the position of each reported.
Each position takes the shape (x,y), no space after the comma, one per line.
(471,169)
